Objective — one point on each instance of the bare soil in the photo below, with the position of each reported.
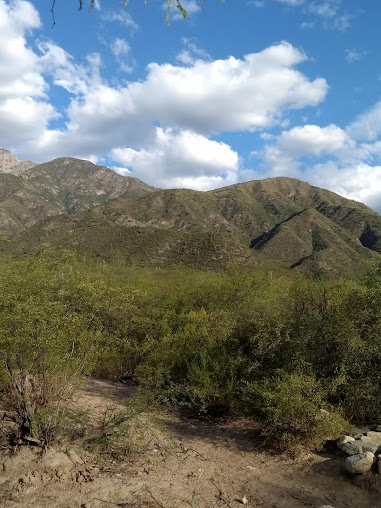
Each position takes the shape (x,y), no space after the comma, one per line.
(185,464)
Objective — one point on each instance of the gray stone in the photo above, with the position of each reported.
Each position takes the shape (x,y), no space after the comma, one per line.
(360,464)
(344,439)
(360,446)
(371,447)
(352,447)
(378,428)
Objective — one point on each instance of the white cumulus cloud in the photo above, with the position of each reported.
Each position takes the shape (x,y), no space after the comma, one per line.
(24,110)
(181,159)
(203,98)
(367,126)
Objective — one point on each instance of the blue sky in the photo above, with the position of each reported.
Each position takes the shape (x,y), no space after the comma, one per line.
(238,91)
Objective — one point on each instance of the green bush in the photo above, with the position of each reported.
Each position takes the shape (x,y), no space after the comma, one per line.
(295,412)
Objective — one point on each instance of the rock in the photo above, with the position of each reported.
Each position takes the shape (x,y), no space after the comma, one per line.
(373,437)
(371,447)
(360,464)
(378,428)
(343,440)
(326,506)
(360,446)
(352,447)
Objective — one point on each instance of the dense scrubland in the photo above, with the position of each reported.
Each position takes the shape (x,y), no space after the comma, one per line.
(299,355)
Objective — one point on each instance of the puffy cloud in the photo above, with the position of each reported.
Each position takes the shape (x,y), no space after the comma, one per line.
(351,167)
(24,112)
(329,12)
(312,139)
(206,97)
(181,159)
(325,9)
(367,126)
(76,79)
(308,140)
(360,182)
(19,74)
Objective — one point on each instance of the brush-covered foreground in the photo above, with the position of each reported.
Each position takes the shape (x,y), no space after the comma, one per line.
(299,355)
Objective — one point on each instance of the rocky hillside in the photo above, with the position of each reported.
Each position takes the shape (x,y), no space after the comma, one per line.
(10,163)
(281,220)
(64,185)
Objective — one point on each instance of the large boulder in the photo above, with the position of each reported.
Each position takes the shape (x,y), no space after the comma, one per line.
(343,440)
(360,464)
(360,446)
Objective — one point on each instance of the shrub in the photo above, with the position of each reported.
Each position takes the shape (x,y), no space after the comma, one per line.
(294,411)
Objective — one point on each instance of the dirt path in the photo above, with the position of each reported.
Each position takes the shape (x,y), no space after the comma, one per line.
(191,464)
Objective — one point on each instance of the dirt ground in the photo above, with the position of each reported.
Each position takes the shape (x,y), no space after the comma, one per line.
(185,464)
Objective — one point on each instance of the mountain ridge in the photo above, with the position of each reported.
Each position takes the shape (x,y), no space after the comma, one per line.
(282,222)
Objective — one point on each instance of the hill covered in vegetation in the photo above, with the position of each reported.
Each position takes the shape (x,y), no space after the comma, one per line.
(280,222)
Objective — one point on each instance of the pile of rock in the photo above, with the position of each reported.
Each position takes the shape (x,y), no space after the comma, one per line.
(364,448)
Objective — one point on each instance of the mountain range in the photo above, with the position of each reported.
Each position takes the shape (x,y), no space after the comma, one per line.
(277,223)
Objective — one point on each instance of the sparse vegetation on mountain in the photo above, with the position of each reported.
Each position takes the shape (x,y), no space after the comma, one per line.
(278,223)
(62,186)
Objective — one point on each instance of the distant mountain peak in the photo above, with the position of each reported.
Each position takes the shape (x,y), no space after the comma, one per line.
(10,163)
(30,193)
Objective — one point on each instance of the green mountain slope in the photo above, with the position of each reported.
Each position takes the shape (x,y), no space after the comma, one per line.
(274,222)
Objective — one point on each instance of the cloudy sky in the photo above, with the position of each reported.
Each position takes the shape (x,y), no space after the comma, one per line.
(240,90)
